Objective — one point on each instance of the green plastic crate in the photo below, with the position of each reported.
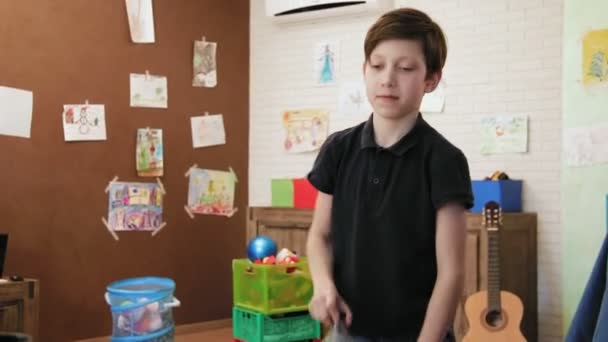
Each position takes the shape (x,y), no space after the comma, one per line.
(253,326)
(271,289)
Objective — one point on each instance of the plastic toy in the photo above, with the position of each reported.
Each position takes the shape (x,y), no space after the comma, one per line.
(285,256)
(261,247)
(151,320)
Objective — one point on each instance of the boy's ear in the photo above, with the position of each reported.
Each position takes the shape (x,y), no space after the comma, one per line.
(432,81)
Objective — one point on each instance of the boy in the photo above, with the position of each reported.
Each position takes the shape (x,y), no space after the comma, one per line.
(386,245)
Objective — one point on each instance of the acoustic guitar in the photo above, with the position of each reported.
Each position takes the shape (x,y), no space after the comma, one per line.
(493,315)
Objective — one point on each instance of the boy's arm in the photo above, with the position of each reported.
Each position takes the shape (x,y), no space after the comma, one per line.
(317,245)
(326,304)
(450,246)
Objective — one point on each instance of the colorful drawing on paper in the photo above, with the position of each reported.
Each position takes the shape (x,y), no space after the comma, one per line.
(135,206)
(149,152)
(148,91)
(595,57)
(305,130)
(208,130)
(141,20)
(211,192)
(504,134)
(205,64)
(326,56)
(84,122)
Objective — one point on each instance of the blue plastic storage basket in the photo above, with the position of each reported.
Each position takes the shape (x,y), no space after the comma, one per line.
(141,309)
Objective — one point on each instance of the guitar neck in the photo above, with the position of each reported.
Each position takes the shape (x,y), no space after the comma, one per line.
(493,269)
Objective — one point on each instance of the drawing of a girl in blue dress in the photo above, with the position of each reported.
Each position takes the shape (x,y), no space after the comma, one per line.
(327,72)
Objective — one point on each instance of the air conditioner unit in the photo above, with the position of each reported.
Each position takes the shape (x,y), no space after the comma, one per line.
(284,11)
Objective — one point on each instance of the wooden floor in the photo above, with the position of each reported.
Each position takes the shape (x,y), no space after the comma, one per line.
(219,335)
(220,331)
(214,331)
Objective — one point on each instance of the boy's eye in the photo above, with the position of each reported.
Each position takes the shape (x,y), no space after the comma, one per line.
(376,66)
(406,68)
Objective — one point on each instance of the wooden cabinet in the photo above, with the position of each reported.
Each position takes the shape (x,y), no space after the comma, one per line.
(518,258)
(19,307)
(287,226)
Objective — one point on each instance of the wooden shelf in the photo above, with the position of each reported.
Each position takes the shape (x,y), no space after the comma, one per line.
(19,307)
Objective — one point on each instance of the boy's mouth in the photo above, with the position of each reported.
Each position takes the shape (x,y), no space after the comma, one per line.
(387,97)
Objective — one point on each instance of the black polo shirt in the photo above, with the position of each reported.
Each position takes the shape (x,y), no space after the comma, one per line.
(384,209)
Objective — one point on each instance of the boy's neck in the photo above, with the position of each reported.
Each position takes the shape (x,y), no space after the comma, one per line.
(388,132)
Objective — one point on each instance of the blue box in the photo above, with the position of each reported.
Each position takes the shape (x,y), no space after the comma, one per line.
(507,193)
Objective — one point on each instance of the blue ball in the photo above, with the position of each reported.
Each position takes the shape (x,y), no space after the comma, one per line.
(261,247)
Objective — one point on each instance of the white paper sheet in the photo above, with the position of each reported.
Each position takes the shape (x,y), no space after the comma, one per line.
(15,112)
(353,102)
(141,20)
(585,146)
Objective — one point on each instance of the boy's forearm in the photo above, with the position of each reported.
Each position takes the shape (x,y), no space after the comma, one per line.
(442,307)
(318,251)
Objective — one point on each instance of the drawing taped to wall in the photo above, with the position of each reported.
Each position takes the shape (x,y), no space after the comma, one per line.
(149,152)
(353,102)
(305,129)
(205,64)
(207,130)
(595,57)
(211,192)
(326,57)
(84,122)
(141,20)
(504,134)
(134,206)
(148,91)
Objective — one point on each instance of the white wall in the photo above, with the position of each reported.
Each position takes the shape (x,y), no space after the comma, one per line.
(584,189)
(504,57)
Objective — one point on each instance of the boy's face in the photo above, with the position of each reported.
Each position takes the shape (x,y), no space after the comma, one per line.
(396,78)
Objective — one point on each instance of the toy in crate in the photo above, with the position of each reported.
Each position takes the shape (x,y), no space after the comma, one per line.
(271,294)
(142,309)
(263,250)
(271,284)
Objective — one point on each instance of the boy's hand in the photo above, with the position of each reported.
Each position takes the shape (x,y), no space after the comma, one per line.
(327,306)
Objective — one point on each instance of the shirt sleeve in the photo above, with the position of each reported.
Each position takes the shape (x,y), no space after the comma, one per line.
(324,170)
(451,181)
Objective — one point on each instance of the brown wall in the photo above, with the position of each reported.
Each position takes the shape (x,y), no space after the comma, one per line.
(53,196)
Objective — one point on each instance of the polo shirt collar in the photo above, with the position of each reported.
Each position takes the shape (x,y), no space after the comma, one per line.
(401,146)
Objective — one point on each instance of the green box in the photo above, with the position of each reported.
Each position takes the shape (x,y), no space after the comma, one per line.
(252,326)
(271,289)
(281,193)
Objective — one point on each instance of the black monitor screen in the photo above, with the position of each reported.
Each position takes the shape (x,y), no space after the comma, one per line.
(3,244)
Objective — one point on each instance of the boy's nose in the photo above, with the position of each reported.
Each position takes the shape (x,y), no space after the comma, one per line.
(387,79)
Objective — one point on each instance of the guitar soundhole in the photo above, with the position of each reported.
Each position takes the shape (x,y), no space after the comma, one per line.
(494,318)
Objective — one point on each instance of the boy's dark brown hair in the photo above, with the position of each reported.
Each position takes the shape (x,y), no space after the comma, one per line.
(410,23)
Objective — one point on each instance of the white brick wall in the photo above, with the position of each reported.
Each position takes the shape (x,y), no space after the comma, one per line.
(504,57)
